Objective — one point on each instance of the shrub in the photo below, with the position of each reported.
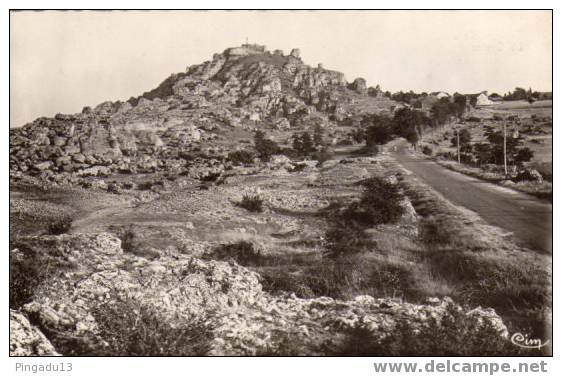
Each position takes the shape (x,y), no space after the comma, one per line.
(211,177)
(25,276)
(473,119)
(434,231)
(241,157)
(131,329)
(59,227)
(298,167)
(113,188)
(346,240)
(145,186)
(322,156)
(380,203)
(339,278)
(345,142)
(131,244)
(447,155)
(456,334)
(264,147)
(427,150)
(303,144)
(251,203)
(28,270)
(242,252)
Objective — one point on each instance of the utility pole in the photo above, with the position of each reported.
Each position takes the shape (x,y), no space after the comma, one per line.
(458,146)
(504,149)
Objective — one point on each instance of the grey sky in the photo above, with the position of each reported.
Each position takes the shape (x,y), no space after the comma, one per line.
(62,61)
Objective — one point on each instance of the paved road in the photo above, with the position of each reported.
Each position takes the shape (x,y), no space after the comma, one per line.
(529,218)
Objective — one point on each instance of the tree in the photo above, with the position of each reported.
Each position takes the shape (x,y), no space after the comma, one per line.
(464,138)
(518,94)
(318,136)
(524,155)
(495,137)
(358,135)
(459,102)
(303,144)
(264,147)
(307,144)
(443,110)
(297,144)
(412,136)
(379,129)
(408,124)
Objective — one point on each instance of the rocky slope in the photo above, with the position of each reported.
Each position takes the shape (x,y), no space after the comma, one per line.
(243,87)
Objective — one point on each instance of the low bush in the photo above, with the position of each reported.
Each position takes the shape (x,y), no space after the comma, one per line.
(380,203)
(485,281)
(341,278)
(298,167)
(145,186)
(345,240)
(113,188)
(211,177)
(447,155)
(322,156)
(130,329)
(60,226)
(241,157)
(427,150)
(130,243)
(473,119)
(434,231)
(456,334)
(265,147)
(242,252)
(29,268)
(344,142)
(253,203)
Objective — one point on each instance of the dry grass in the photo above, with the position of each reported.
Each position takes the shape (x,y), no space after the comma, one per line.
(454,254)
(541,190)
(479,265)
(131,329)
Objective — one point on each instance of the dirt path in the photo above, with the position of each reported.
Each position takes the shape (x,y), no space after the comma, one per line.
(97,219)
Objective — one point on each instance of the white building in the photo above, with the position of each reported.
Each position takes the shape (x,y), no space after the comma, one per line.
(483,100)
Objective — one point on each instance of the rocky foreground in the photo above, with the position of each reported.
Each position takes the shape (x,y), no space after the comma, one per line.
(88,280)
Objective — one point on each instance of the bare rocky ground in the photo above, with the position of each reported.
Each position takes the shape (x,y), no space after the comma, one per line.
(128,235)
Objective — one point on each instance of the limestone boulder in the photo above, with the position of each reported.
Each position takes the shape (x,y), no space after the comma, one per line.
(26,339)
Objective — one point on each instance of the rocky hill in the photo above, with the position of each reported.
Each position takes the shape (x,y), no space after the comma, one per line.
(244,87)
(153,227)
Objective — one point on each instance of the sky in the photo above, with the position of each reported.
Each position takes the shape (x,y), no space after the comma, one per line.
(61,61)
